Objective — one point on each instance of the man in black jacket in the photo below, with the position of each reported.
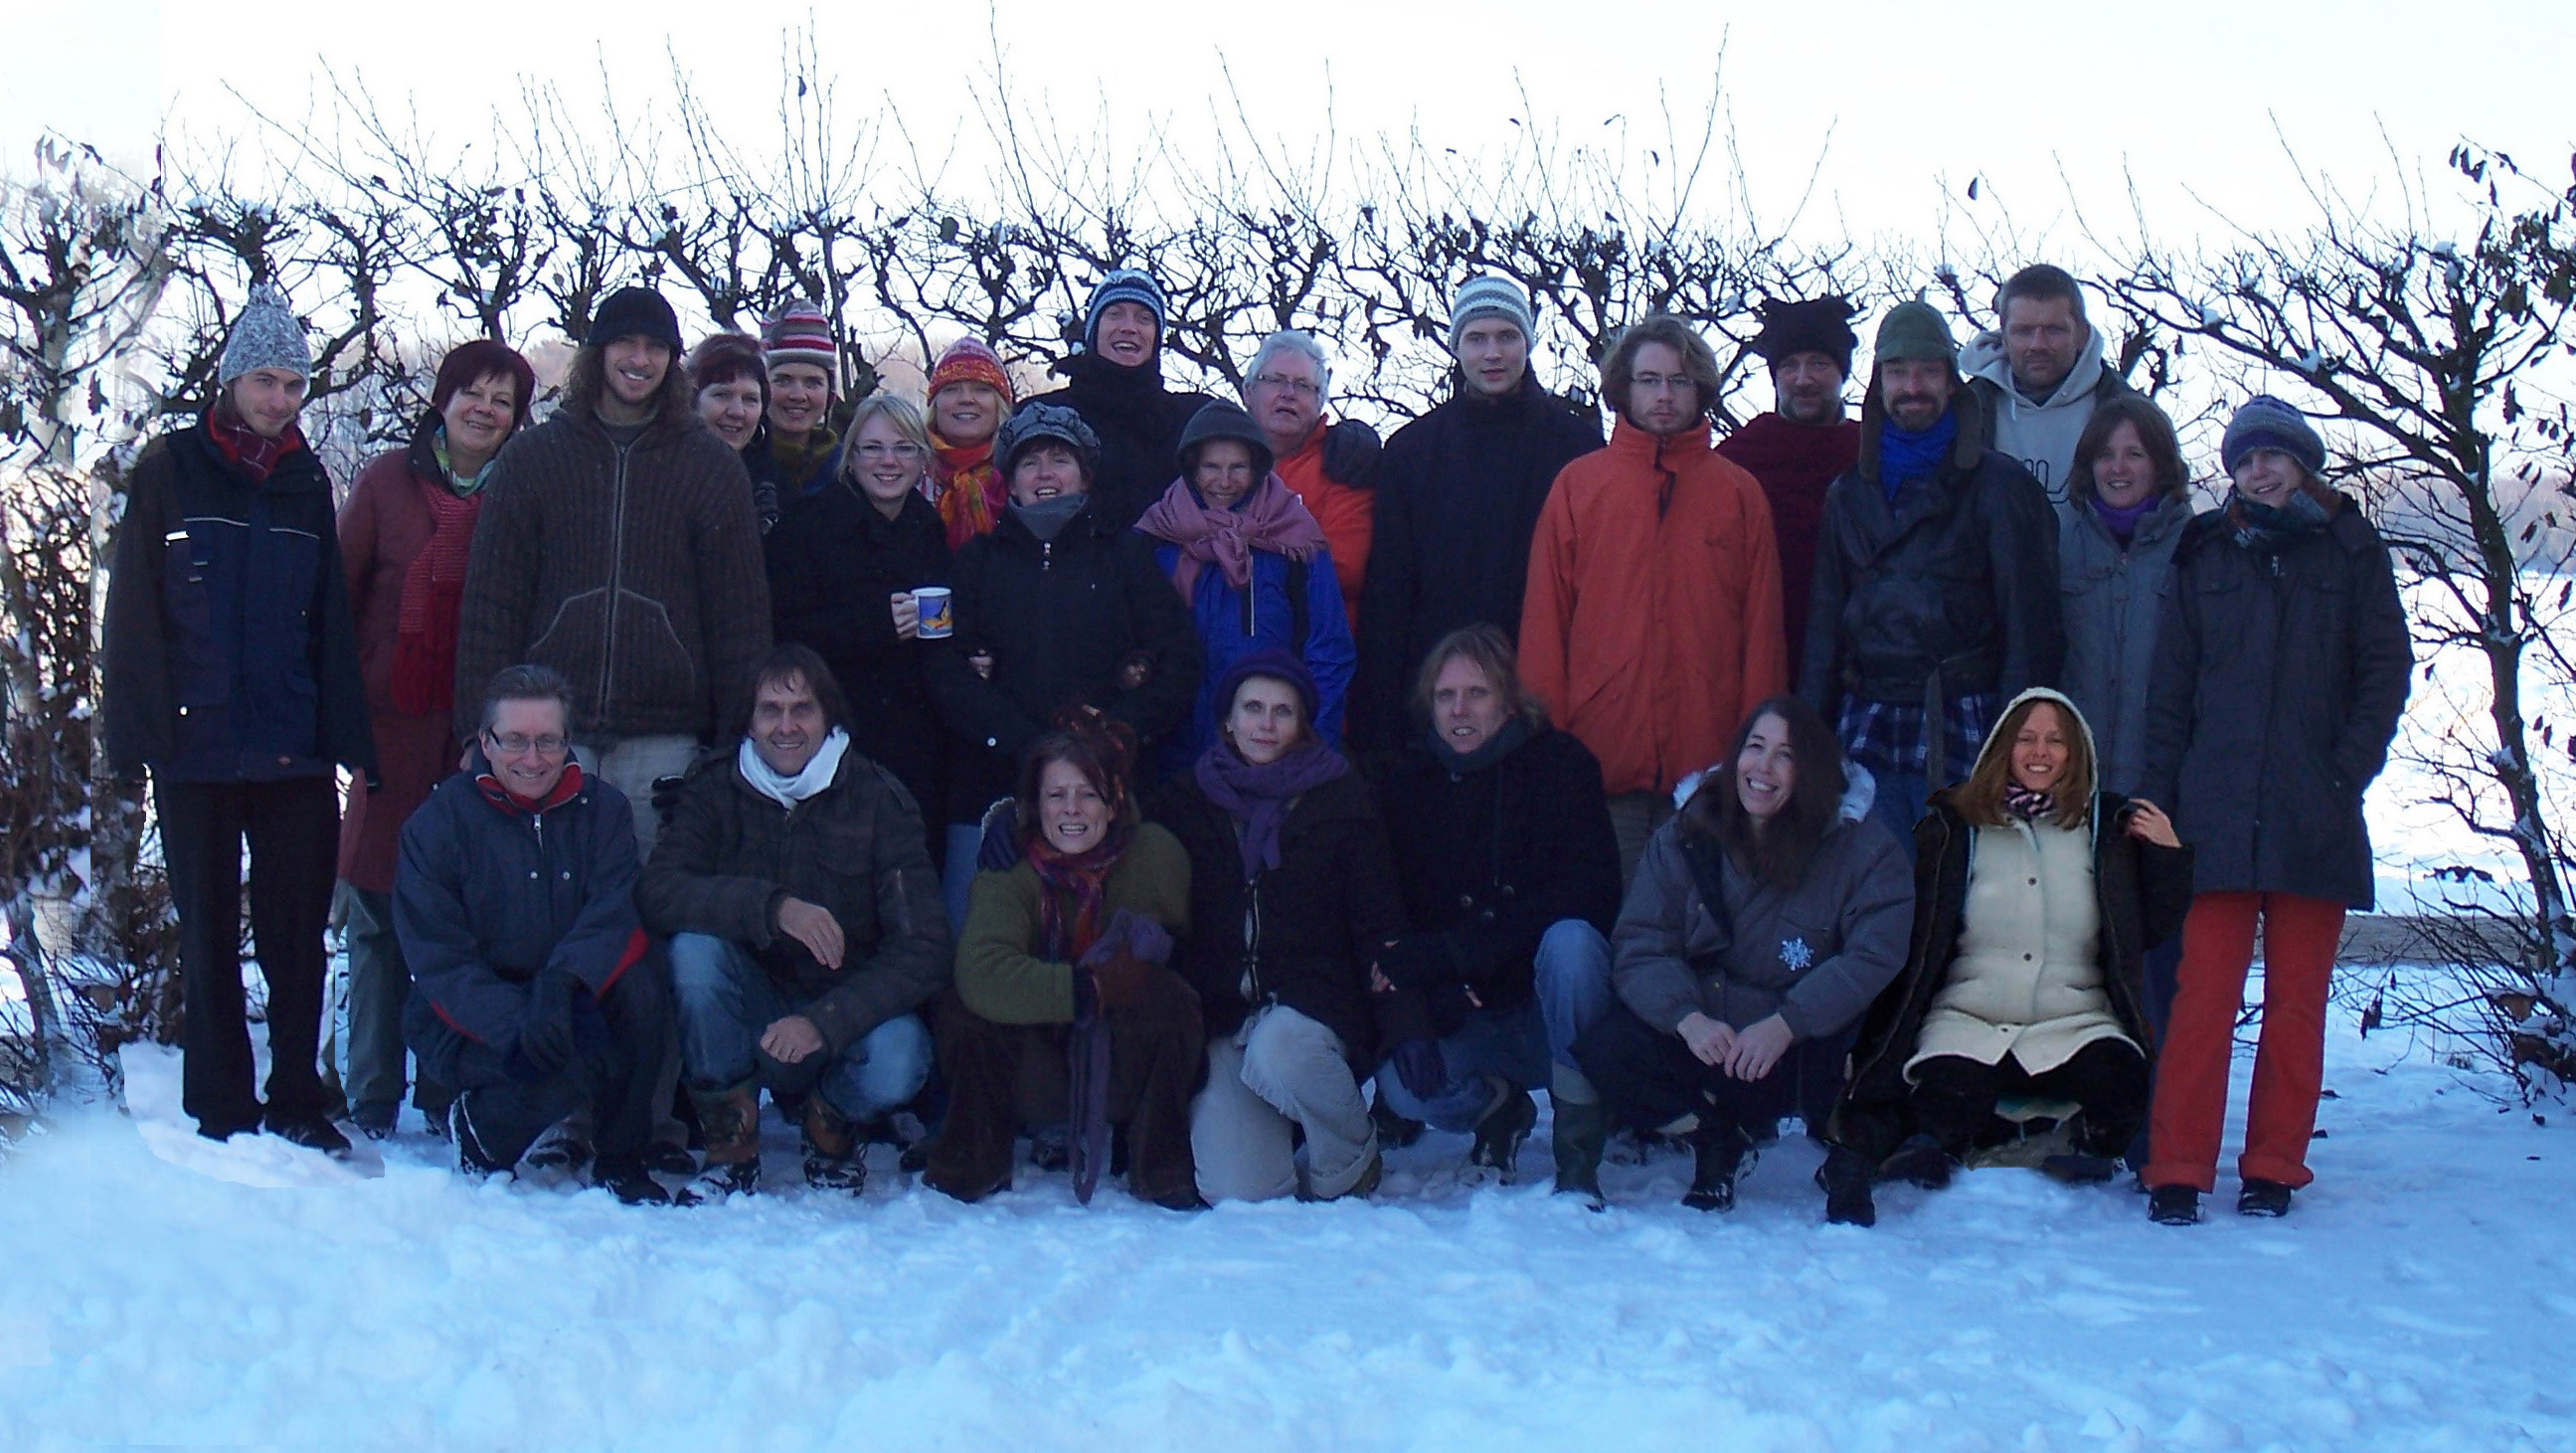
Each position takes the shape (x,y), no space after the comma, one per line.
(1458,496)
(1936,595)
(1115,383)
(534,989)
(1057,609)
(806,930)
(233,679)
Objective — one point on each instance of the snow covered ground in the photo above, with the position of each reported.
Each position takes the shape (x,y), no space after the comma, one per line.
(2411,1302)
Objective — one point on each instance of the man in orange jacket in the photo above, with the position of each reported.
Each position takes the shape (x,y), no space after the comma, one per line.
(1653,615)
(1324,464)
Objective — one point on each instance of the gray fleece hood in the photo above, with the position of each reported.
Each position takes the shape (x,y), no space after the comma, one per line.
(2041,435)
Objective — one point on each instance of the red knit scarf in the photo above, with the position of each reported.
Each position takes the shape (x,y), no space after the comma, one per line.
(971,491)
(432,594)
(251,451)
(1072,889)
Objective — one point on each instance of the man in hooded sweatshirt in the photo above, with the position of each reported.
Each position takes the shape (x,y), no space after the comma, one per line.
(1796,451)
(2037,378)
(1458,498)
(1652,620)
(1936,596)
(1115,382)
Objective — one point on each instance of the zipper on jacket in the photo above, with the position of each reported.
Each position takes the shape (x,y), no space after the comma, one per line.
(616,582)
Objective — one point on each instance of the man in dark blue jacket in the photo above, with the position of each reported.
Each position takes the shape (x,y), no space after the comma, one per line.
(233,679)
(534,992)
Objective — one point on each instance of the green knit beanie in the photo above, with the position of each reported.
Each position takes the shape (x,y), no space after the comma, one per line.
(1915,330)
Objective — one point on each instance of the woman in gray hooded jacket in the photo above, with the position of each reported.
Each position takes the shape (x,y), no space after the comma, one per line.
(1764,919)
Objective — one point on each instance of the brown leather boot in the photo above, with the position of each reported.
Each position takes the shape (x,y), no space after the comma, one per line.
(832,1152)
(730,1120)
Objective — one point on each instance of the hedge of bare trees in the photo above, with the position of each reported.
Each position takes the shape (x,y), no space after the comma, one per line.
(2430,339)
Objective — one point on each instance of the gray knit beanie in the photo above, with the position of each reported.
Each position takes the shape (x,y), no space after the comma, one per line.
(1489,297)
(265,335)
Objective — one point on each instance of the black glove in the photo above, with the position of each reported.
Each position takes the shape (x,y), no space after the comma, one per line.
(1418,961)
(548,1038)
(1419,1064)
(666,794)
(1350,450)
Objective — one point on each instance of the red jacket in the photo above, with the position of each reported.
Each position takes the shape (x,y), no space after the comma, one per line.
(1652,622)
(1348,513)
(382,527)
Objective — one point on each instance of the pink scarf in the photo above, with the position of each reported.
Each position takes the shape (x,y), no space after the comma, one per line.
(1270,518)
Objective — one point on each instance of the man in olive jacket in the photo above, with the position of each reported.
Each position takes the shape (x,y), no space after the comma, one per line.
(807,928)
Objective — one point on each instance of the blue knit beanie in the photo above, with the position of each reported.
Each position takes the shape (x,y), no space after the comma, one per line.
(265,335)
(2267,423)
(1123,285)
(1277,665)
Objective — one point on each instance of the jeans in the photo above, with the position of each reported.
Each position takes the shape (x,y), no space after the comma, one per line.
(1573,987)
(726,1001)
(1901,803)
(957,870)
(1510,1045)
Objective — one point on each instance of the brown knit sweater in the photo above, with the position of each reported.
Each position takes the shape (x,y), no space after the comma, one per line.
(634,571)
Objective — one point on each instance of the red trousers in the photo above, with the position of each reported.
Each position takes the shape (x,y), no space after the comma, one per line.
(2190,1115)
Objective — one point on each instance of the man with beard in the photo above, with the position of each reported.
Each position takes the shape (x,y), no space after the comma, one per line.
(1803,445)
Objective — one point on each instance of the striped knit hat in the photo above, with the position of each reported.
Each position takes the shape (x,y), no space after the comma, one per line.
(265,335)
(968,360)
(800,334)
(1489,297)
(1123,285)
(2268,423)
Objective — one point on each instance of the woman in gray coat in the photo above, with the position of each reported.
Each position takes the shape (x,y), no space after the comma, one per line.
(1763,920)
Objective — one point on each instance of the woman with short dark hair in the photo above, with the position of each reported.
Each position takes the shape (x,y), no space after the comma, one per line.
(1065,1007)
(1765,917)
(405,535)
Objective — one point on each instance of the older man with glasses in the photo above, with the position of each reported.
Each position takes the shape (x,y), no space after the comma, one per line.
(535,992)
(1325,463)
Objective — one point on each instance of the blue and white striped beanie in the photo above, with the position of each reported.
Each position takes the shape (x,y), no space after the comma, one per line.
(1123,285)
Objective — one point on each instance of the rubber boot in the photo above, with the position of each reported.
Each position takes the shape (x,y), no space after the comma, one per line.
(1581,1130)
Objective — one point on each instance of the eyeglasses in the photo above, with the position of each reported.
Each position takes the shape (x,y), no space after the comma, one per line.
(1304,388)
(517,744)
(880,453)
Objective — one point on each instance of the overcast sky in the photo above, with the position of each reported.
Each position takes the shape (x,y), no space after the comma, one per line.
(1899,99)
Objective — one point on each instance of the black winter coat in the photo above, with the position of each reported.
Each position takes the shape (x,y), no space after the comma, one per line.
(231,652)
(834,565)
(1059,618)
(1958,578)
(1488,859)
(1458,496)
(1302,934)
(728,853)
(1139,422)
(2141,891)
(2279,681)
(487,893)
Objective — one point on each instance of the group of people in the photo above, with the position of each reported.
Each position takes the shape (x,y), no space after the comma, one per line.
(1215,796)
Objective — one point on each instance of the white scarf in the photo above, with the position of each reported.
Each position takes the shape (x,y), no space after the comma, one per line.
(788,791)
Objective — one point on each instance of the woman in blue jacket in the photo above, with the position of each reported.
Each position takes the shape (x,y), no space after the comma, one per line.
(1253,567)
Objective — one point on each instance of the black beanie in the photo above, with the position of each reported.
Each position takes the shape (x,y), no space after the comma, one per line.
(1219,419)
(1817,325)
(637,312)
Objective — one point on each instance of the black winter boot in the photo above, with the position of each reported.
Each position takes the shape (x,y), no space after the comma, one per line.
(626,1178)
(1845,1178)
(1502,1129)
(2173,1206)
(2263,1198)
(471,1159)
(1922,1160)
(2079,1169)
(1581,1130)
(1394,1132)
(1721,1153)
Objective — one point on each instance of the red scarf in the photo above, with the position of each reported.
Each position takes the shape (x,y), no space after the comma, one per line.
(433,592)
(971,492)
(1078,882)
(249,450)
(1271,518)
